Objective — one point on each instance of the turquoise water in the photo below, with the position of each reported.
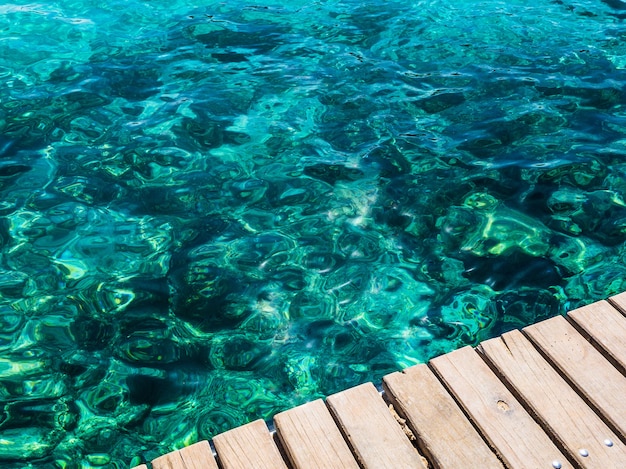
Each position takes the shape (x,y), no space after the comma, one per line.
(214,211)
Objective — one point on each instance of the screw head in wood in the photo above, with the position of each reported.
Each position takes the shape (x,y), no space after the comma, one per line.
(583,452)
(556,464)
(608,442)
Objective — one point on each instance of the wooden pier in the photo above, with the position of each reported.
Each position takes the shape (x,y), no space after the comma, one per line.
(550,396)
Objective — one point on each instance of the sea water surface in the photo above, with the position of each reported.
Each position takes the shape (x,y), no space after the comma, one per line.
(213,211)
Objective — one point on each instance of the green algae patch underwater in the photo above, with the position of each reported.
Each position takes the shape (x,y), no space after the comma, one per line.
(214,212)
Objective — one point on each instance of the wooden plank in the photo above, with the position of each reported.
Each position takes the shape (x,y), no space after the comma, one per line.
(311,439)
(373,433)
(619,301)
(516,437)
(606,326)
(561,411)
(196,456)
(248,446)
(444,434)
(141,466)
(171,460)
(584,367)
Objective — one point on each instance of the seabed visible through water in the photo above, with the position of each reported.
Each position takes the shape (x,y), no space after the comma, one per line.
(216,211)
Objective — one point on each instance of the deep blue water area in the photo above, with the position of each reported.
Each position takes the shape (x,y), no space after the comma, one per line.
(211,212)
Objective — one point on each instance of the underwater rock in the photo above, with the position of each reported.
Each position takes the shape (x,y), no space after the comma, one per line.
(516,308)
(604,217)
(596,279)
(598,214)
(573,254)
(485,227)
(469,314)
(566,200)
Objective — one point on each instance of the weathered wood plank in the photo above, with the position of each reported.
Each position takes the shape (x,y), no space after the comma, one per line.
(606,326)
(171,460)
(582,365)
(561,411)
(444,434)
(141,466)
(248,446)
(196,456)
(619,301)
(517,438)
(311,438)
(373,433)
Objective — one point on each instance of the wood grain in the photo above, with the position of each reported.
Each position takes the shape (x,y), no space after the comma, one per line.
(606,326)
(517,438)
(373,433)
(196,456)
(443,432)
(584,367)
(311,438)
(561,411)
(248,447)
(619,301)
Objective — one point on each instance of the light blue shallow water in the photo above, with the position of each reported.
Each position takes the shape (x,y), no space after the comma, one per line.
(214,211)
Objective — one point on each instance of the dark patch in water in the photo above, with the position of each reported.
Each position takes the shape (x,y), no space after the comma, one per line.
(615,4)
(331,173)
(512,271)
(10,170)
(229,57)
(92,334)
(150,390)
(441,101)
(261,40)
